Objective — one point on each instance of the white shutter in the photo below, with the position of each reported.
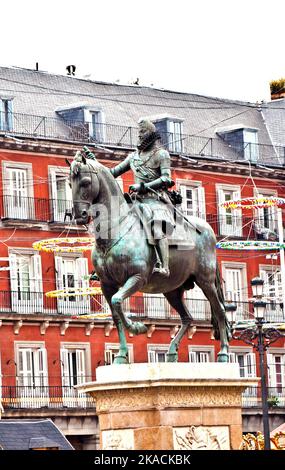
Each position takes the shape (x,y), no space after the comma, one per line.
(204,356)
(192,356)
(37,284)
(201,202)
(151,356)
(81,280)
(65,376)
(59,272)
(14,281)
(25,367)
(237,216)
(271,370)
(232,358)
(54,199)
(108,356)
(80,366)
(222,212)
(41,372)
(250,365)
(259,214)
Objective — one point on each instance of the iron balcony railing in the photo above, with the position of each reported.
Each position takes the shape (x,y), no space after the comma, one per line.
(238,226)
(144,307)
(31,209)
(50,396)
(56,128)
(252,398)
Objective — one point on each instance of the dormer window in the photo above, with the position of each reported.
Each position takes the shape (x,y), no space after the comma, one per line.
(84,121)
(243,140)
(170,130)
(6,116)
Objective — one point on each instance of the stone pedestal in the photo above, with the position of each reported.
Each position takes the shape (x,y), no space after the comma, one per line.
(169,406)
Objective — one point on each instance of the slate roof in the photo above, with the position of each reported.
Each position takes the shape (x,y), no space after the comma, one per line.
(274,115)
(41,94)
(23,434)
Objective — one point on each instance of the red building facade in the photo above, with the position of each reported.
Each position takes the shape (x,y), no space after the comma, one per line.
(48,345)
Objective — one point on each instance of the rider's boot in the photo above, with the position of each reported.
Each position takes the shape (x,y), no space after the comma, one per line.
(163,268)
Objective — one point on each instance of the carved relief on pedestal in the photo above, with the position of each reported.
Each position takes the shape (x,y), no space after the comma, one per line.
(163,397)
(120,439)
(201,438)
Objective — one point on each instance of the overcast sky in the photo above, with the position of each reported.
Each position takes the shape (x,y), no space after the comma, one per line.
(223,48)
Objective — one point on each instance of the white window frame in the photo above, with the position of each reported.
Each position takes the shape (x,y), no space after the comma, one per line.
(33,386)
(243,292)
(194,350)
(154,349)
(175,133)
(6,122)
(71,397)
(54,172)
(81,304)
(251,147)
(35,292)
(235,227)
(197,303)
(272,211)
(182,186)
(111,349)
(274,312)
(271,369)
(100,133)
(26,210)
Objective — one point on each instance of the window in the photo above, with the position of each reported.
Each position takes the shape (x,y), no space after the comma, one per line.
(193,199)
(201,354)
(251,151)
(97,126)
(276,369)
(73,364)
(266,218)
(6,114)
(72,272)
(170,130)
(156,306)
(197,303)
(32,375)
(61,194)
(235,288)
(243,140)
(157,352)
(75,370)
(18,190)
(230,221)
(26,282)
(112,349)
(272,290)
(246,361)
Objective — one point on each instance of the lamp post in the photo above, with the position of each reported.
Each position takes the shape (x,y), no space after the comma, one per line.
(260,338)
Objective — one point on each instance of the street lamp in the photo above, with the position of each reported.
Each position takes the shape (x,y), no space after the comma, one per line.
(260,338)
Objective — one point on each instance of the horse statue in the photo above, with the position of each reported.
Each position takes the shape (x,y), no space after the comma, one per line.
(124,260)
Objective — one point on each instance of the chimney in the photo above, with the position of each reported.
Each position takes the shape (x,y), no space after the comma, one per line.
(71,70)
(277,89)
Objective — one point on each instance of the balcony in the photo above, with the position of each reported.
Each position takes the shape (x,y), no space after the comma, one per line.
(240,227)
(44,397)
(251,398)
(35,210)
(143,307)
(42,127)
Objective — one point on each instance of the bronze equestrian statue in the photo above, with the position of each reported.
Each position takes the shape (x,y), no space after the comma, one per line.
(128,258)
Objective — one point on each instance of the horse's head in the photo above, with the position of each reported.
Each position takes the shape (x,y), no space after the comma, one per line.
(85,186)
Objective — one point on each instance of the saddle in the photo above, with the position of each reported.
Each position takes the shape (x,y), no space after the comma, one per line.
(183,233)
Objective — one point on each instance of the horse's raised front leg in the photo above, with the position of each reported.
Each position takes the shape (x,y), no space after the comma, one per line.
(122,356)
(175,298)
(132,285)
(219,316)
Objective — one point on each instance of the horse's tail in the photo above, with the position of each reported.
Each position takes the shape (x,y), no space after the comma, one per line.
(221,297)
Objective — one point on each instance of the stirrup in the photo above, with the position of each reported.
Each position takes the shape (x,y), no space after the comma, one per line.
(162,271)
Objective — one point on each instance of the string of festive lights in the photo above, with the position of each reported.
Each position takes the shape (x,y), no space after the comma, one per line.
(249,245)
(258,202)
(66,245)
(72,291)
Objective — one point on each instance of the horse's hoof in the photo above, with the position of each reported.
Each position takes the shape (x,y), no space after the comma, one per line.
(137,328)
(223,357)
(171,357)
(120,359)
